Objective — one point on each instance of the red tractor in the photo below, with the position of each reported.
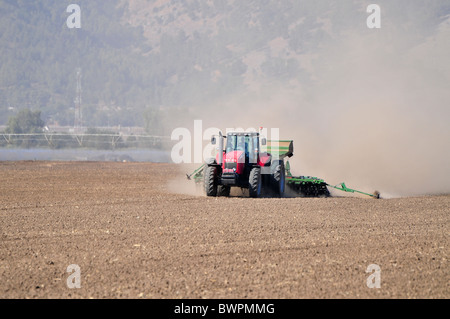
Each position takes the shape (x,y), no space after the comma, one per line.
(243,164)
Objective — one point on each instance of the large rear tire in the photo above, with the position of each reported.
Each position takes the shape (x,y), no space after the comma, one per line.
(278,179)
(211,181)
(255,182)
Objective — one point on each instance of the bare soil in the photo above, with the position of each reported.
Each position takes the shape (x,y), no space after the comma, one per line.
(134,235)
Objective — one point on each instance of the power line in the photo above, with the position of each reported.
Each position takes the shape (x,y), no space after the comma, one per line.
(78,114)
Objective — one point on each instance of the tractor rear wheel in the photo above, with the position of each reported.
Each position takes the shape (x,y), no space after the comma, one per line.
(278,178)
(211,181)
(255,182)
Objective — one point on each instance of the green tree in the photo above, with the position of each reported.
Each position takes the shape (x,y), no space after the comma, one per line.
(25,122)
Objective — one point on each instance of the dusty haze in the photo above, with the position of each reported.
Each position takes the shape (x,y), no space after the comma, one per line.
(374,112)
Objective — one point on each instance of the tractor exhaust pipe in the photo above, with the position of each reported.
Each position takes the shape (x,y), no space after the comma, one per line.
(220,148)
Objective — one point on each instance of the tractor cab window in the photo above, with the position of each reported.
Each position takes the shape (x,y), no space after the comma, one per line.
(238,143)
(231,143)
(241,143)
(253,147)
(249,144)
(235,143)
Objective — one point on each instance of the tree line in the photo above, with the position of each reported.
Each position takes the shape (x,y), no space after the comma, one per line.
(28,130)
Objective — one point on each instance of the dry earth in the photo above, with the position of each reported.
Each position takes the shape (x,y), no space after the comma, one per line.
(134,237)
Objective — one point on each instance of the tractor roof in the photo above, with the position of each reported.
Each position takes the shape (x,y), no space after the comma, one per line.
(243,133)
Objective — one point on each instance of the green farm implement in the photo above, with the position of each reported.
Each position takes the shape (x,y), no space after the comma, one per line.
(344,188)
(197,175)
(308,186)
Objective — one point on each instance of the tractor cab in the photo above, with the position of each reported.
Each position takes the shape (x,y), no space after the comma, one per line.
(242,148)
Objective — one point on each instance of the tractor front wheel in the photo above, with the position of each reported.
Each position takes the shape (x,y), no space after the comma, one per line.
(223,191)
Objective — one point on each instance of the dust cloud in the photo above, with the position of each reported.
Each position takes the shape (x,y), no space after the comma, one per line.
(182,185)
(374,113)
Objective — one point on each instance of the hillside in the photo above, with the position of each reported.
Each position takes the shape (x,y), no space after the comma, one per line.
(40,56)
(140,59)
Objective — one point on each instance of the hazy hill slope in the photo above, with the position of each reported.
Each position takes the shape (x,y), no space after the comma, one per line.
(39,57)
(140,57)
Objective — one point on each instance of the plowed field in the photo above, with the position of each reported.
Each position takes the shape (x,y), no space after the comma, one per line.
(135,234)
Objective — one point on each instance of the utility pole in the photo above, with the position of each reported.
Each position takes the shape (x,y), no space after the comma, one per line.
(78,114)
